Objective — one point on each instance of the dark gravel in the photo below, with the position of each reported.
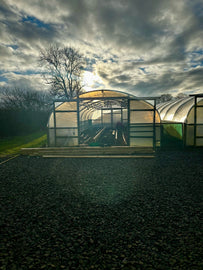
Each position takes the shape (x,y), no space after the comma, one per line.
(102,213)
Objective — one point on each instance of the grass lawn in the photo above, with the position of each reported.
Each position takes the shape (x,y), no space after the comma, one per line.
(12,145)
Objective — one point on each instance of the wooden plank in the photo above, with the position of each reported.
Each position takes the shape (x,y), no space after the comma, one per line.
(105,152)
(99,156)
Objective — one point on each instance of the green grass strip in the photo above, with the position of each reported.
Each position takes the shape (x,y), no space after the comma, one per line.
(11,146)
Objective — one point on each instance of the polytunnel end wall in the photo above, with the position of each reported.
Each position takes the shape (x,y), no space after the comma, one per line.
(69,118)
(189,113)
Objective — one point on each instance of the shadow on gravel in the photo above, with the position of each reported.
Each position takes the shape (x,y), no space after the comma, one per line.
(102,213)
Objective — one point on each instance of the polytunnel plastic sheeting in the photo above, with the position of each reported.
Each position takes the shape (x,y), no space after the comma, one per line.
(172,112)
(161,105)
(165,108)
(66,132)
(140,104)
(182,111)
(88,107)
(64,111)
(67,106)
(86,104)
(178,111)
(142,131)
(190,135)
(116,115)
(103,93)
(86,114)
(92,112)
(199,116)
(146,117)
(142,116)
(61,120)
(101,107)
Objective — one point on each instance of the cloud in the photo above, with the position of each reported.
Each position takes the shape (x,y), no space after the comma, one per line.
(145,47)
(29,81)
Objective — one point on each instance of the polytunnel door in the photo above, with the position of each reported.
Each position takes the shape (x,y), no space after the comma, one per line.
(172,136)
(141,127)
(103,122)
(114,121)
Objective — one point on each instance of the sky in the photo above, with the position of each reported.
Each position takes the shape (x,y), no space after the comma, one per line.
(143,47)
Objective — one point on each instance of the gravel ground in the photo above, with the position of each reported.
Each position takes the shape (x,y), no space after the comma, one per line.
(102,213)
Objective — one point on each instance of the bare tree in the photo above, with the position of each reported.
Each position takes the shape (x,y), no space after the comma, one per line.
(64,69)
(24,99)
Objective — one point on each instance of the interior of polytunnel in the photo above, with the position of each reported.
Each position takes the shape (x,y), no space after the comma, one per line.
(104,118)
(104,122)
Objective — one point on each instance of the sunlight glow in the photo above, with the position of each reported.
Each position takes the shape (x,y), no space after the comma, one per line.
(90,80)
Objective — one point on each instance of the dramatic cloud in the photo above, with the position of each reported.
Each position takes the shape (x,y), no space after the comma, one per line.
(142,47)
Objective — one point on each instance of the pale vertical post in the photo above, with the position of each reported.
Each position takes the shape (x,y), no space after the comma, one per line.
(48,137)
(195,122)
(111,118)
(154,125)
(128,121)
(102,122)
(78,118)
(54,123)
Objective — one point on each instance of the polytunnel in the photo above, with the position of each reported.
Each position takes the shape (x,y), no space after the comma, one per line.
(104,118)
(183,119)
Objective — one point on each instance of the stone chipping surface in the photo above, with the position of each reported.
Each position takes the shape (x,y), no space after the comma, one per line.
(63,213)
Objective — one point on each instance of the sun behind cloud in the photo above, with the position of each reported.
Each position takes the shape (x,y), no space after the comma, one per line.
(91,81)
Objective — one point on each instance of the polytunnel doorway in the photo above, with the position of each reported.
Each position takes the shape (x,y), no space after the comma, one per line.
(103,122)
(105,118)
